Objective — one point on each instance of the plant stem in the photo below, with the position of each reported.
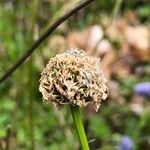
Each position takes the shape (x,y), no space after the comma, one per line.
(31,82)
(76,114)
(116,9)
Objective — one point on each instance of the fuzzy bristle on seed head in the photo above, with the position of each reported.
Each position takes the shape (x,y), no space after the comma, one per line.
(74,78)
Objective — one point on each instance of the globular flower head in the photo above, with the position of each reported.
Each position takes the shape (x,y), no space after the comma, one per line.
(74,78)
(143,89)
(125,144)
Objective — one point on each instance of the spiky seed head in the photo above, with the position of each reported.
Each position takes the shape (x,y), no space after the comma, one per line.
(74,78)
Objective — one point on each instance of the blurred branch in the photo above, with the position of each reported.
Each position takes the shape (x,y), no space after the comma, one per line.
(43,37)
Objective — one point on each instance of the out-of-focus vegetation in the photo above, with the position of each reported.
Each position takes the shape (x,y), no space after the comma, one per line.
(117,33)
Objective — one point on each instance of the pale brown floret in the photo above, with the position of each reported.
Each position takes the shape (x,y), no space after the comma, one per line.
(73,78)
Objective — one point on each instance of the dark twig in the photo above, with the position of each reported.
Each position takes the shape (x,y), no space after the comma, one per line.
(43,37)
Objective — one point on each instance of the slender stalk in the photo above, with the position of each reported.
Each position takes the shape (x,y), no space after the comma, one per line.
(116,9)
(30,75)
(31,106)
(76,115)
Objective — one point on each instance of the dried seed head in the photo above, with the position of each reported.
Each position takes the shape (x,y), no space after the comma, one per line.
(73,78)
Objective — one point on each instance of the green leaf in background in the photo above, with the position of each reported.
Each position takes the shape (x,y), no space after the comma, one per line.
(6,104)
(100,128)
(144,11)
(2,132)
(131,126)
(108,148)
(143,133)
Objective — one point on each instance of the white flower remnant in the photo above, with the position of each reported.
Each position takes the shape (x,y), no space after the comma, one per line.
(73,78)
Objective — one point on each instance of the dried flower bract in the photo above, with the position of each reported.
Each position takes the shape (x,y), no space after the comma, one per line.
(73,78)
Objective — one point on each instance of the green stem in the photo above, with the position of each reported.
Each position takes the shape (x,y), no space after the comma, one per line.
(116,9)
(76,114)
(34,6)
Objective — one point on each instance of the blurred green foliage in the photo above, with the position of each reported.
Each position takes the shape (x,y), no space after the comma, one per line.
(53,129)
